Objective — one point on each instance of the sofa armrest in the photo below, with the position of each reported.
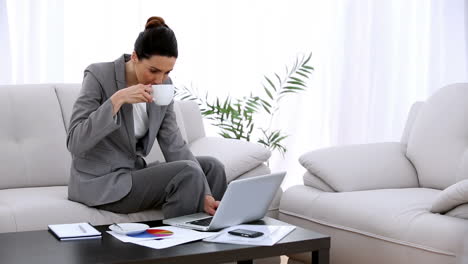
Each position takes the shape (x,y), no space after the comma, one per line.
(362,167)
(413,113)
(237,156)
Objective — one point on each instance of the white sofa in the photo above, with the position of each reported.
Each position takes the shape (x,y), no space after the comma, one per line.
(35,163)
(376,201)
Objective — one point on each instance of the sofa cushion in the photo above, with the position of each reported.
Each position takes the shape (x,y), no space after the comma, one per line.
(180,119)
(397,215)
(361,167)
(32,137)
(35,208)
(192,119)
(237,156)
(7,219)
(460,211)
(438,138)
(451,197)
(462,170)
(315,182)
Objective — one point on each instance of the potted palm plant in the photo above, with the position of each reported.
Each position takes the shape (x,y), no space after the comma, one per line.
(235,117)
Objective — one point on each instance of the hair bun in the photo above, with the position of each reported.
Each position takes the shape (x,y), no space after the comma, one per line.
(155,22)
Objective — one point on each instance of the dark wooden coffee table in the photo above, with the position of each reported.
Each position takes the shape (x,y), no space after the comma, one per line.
(42,247)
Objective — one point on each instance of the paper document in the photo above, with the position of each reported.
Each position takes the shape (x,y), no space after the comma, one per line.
(170,242)
(130,239)
(271,235)
(179,236)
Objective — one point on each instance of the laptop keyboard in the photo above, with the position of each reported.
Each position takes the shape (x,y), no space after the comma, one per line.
(201,222)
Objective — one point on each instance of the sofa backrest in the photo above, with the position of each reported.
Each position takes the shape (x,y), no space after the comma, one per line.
(438,140)
(32,137)
(33,124)
(67,94)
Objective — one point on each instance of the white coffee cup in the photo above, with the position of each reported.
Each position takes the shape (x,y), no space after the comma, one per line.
(163,93)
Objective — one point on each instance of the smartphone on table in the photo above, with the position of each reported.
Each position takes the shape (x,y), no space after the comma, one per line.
(245,233)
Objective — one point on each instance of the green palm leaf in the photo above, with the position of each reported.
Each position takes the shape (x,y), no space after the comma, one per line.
(270,82)
(235,118)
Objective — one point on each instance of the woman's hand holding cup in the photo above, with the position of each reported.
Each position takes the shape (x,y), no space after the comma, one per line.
(139,93)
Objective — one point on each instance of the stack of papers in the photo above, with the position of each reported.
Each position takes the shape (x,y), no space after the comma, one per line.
(271,235)
(179,236)
(74,231)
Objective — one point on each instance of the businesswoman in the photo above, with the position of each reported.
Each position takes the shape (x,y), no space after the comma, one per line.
(114,125)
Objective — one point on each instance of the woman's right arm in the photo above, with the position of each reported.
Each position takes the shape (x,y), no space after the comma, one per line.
(92,118)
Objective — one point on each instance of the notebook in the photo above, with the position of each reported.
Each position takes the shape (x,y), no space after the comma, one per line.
(75,231)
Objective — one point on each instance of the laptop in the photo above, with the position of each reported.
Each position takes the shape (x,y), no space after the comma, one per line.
(244,201)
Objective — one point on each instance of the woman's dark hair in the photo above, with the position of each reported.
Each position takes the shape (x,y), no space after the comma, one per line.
(156,39)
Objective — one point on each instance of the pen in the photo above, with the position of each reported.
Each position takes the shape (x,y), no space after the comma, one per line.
(82,228)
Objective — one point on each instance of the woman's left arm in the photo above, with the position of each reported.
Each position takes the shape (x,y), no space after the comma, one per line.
(173,146)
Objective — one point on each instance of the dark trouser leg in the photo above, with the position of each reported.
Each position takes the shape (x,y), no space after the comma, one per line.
(215,175)
(179,186)
(185,193)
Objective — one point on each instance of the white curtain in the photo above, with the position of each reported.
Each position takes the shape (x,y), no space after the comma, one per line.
(33,40)
(373,58)
(5,62)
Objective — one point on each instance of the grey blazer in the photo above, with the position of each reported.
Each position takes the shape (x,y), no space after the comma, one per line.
(103,147)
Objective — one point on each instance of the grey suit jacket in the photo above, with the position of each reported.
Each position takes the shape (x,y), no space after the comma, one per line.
(103,147)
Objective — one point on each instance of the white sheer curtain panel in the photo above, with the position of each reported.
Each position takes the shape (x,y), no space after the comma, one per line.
(34,38)
(5,63)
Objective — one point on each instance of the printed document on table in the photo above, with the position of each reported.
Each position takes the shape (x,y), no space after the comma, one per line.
(271,235)
(180,236)
(129,239)
(183,236)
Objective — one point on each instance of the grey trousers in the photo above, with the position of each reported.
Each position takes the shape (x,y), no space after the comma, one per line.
(178,186)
